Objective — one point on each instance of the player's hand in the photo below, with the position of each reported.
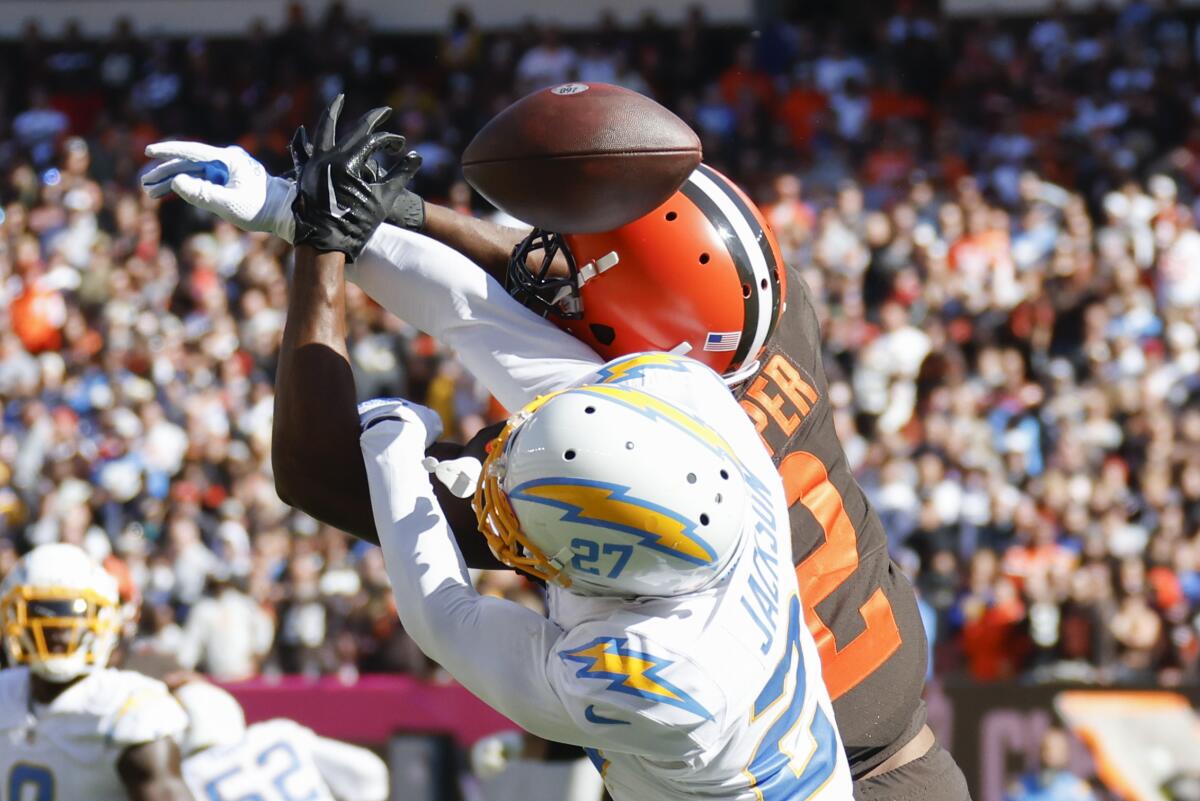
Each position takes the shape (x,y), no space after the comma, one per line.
(226,181)
(491,755)
(338,206)
(408,208)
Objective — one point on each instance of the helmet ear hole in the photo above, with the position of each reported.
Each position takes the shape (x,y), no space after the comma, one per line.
(604,334)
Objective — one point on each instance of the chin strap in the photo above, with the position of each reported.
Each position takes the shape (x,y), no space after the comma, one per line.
(741,374)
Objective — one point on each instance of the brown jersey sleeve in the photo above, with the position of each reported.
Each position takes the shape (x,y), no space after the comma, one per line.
(859,607)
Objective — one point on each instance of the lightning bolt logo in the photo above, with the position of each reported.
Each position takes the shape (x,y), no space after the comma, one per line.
(631,672)
(599,503)
(636,366)
(658,409)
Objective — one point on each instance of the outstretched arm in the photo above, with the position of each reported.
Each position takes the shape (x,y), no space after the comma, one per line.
(314,444)
(317,461)
(487,244)
(439,288)
(514,353)
(497,649)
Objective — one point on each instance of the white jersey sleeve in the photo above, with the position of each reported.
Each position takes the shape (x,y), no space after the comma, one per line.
(556,686)
(352,773)
(497,649)
(135,709)
(514,353)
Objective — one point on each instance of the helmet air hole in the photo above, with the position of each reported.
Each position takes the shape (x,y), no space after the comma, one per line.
(590,410)
(704,257)
(671,216)
(629,446)
(569,455)
(763,283)
(745,290)
(719,498)
(704,520)
(605,334)
(725,474)
(691,478)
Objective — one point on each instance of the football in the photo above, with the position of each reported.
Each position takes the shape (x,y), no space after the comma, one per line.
(581,157)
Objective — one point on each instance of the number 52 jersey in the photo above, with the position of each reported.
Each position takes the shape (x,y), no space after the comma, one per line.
(273,762)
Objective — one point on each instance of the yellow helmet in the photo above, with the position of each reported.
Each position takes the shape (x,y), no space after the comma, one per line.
(59,612)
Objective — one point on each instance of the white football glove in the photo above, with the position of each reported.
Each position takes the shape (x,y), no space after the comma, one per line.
(491,755)
(248,197)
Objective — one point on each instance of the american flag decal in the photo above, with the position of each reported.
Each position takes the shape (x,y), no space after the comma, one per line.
(722,340)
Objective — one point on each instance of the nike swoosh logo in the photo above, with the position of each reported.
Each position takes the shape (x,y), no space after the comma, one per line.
(337,210)
(590,714)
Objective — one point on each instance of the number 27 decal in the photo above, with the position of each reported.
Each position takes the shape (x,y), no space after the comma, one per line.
(587,554)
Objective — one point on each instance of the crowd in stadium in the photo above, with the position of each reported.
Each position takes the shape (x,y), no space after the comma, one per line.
(996,221)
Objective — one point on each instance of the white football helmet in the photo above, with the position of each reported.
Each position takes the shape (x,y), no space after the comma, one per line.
(60,613)
(215,718)
(612,491)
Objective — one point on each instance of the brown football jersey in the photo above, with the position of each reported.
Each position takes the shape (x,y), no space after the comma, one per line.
(860,608)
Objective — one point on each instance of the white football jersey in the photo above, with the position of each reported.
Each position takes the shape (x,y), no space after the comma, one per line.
(273,762)
(69,748)
(716,694)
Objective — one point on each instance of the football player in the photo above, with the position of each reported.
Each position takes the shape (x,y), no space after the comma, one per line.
(859,606)
(70,727)
(275,760)
(675,649)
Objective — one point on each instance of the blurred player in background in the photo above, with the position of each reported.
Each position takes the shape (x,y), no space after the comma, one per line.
(857,603)
(70,727)
(275,760)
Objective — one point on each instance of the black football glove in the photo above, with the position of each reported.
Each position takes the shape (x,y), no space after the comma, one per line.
(336,208)
(407,210)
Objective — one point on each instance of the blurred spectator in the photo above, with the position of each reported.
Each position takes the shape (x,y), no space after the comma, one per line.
(549,62)
(38,127)
(226,634)
(1052,781)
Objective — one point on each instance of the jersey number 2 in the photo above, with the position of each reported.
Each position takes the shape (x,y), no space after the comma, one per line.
(806,481)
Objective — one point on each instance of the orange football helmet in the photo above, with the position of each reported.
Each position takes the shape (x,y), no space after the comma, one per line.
(702,274)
